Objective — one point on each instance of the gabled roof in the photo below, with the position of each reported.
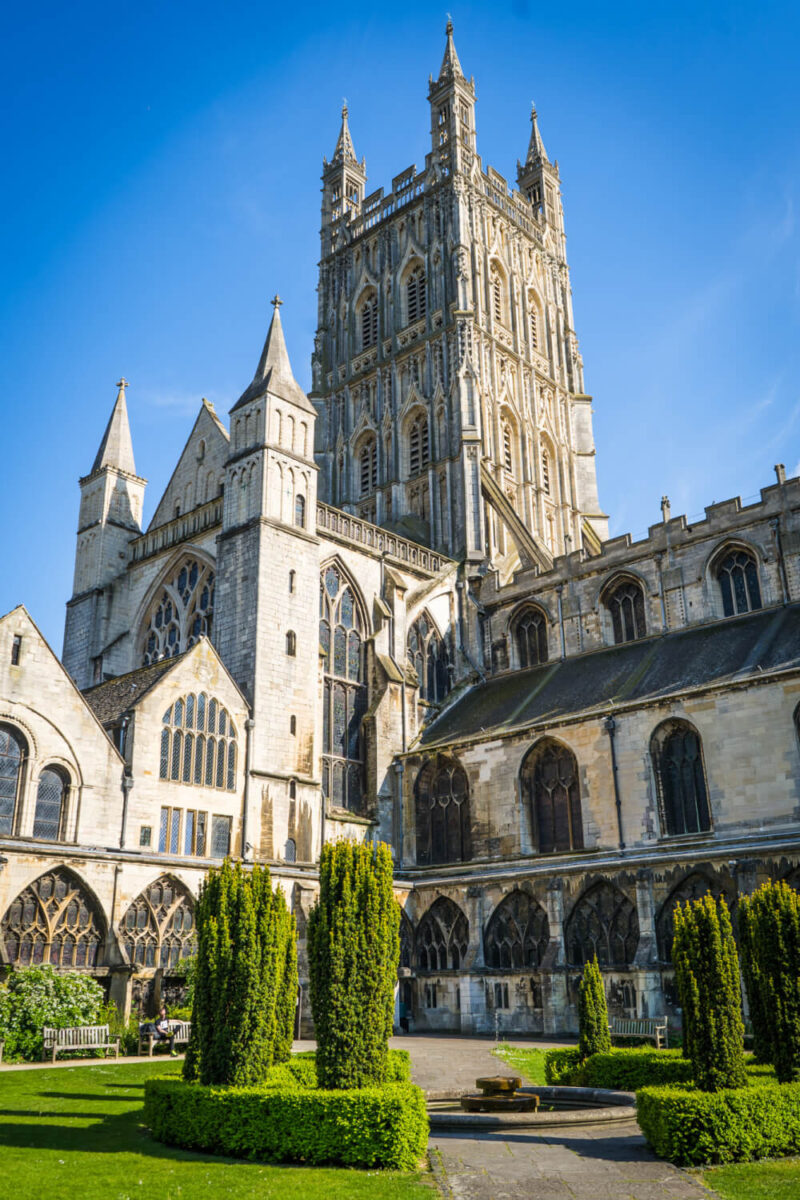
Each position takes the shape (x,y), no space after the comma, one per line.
(274,371)
(647,670)
(110,701)
(209,428)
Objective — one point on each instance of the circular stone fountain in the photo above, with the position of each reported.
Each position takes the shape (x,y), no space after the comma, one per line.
(502,1104)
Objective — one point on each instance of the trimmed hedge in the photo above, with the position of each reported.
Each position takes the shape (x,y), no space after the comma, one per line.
(384,1126)
(302,1069)
(624,1070)
(733,1125)
(561,1065)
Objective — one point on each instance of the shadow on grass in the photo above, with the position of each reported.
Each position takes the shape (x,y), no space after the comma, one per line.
(98,1098)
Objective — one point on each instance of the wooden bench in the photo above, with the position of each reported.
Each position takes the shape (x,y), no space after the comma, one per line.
(655,1029)
(77,1037)
(180,1031)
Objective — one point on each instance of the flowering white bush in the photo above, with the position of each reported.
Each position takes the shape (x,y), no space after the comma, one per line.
(37,996)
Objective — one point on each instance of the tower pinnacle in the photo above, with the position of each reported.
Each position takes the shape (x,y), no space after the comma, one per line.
(116,448)
(345,150)
(451,67)
(536,151)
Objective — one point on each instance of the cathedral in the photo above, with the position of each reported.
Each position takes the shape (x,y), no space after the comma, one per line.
(390,610)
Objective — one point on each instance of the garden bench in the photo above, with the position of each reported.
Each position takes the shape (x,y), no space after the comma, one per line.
(179,1029)
(77,1037)
(653,1028)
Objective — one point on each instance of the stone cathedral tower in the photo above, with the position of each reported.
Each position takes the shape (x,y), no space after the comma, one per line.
(447,375)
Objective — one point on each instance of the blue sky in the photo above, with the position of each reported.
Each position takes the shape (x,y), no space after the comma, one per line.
(162,166)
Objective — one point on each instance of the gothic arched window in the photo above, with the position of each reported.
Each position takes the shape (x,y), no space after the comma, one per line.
(416,298)
(737,575)
(13,755)
(418,444)
(603,922)
(551,786)
(530,636)
(198,743)
(442,937)
(517,934)
(55,920)
(677,754)
(625,604)
(181,614)
(428,655)
(534,320)
(545,471)
(158,928)
(496,290)
(300,511)
(693,887)
(341,636)
(442,809)
(51,795)
(406,942)
(368,466)
(369,321)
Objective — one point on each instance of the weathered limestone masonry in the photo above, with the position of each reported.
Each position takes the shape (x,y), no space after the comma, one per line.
(388,611)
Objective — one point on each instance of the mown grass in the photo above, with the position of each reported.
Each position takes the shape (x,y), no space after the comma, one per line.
(76,1133)
(778,1180)
(527,1060)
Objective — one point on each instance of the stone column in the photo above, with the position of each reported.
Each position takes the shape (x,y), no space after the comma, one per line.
(556,1011)
(650,999)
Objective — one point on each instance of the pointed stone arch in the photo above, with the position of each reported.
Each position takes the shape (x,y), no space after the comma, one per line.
(443,827)
(604,922)
(406,942)
(157,929)
(56,919)
(428,654)
(517,934)
(343,630)
(693,886)
(178,609)
(442,937)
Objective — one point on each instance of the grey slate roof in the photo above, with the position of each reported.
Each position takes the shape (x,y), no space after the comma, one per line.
(719,653)
(110,701)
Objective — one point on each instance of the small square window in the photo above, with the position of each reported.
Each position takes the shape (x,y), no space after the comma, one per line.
(145,835)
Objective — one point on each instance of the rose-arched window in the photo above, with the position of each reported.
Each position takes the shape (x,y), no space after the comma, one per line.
(677,754)
(442,810)
(625,604)
(341,637)
(551,786)
(157,930)
(428,655)
(182,612)
(530,636)
(198,743)
(55,920)
(517,933)
(13,755)
(442,937)
(603,922)
(737,575)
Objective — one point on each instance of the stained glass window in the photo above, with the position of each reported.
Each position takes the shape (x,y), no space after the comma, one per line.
(442,810)
(50,802)
(13,752)
(181,613)
(427,653)
(680,777)
(530,635)
(195,758)
(738,581)
(551,786)
(341,636)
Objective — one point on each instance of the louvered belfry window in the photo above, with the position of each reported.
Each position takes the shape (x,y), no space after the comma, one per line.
(418,445)
(416,299)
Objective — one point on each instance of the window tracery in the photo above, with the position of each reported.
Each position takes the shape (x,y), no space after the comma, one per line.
(51,795)
(54,920)
(625,605)
(416,295)
(530,634)
(693,887)
(181,614)
(406,942)
(442,937)
(518,932)
(737,575)
(427,653)
(158,928)
(677,754)
(603,922)
(442,812)
(341,636)
(550,783)
(13,756)
(198,743)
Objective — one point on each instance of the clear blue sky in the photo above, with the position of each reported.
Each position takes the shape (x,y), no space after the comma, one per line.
(161,182)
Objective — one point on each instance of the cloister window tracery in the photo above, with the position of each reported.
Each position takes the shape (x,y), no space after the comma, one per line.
(693,887)
(603,922)
(341,636)
(181,614)
(157,929)
(427,653)
(442,937)
(54,920)
(518,933)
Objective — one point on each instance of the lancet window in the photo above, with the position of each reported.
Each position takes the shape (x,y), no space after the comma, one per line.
(54,920)
(551,786)
(416,298)
(496,291)
(517,934)
(625,605)
(406,942)
(442,811)
(530,635)
(737,575)
(51,795)
(341,636)
(181,614)
(369,322)
(545,472)
(442,937)
(677,754)
(418,444)
(158,930)
(198,743)
(508,448)
(13,755)
(368,466)
(428,655)
(603,922)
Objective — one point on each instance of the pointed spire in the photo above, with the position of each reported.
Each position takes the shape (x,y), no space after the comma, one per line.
(451,67)
(345,150)
(274,371)
(116,448)
(536,151)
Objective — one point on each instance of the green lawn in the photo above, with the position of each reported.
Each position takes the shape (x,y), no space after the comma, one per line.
(76,1134)
(527,1060)
(779,1180)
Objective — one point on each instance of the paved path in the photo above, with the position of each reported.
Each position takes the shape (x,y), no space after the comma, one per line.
(590,1162)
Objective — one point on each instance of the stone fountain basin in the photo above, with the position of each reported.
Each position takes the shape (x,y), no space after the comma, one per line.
(564,1105)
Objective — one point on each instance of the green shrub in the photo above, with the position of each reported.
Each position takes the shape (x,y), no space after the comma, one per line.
(770,921)
(592,1012)
(38,996)
(630,1069)
(707,975)
(560,1065)
(353,952)
(385,1126)
(126,1031)
(302,1069)
(732,1125)
(245,981)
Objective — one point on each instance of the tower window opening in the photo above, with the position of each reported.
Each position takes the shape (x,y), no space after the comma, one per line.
(293,725)
(291,643)
(368,465)
(545,472)
(508,458)
(300,512)
(534,326)
(496,294)
(16,647)
(415,295)
(369,322)
(292,578)
(418,445)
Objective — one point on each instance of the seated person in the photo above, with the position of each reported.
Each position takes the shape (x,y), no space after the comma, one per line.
(160,1028)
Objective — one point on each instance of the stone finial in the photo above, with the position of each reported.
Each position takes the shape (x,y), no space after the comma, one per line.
(780,472)
(122,384)
(665,509)
(276,302)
